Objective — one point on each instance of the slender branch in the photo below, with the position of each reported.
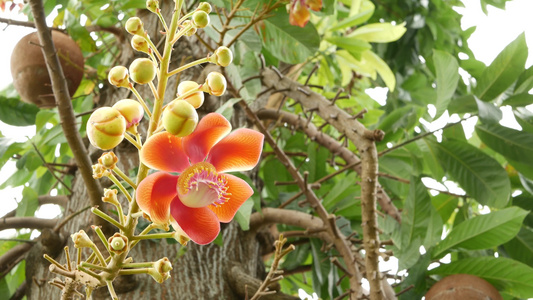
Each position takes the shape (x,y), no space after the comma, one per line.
(26,222)
(50,169)
(66,112)
(12,255)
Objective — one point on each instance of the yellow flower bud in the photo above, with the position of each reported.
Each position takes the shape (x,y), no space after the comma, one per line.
(180,118)
(152,5)
(108,160)
(222,56)
(140,44)
(215,84)
(200,19)
(196,99)
(132,111)
(118,76)
(105,128)
(204,6)
(142,70)
(81,240)
(134,25)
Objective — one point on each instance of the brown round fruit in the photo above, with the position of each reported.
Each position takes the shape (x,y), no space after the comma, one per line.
(463,286)
(28,68)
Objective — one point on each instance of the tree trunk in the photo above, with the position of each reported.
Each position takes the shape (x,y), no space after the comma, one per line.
(202,272)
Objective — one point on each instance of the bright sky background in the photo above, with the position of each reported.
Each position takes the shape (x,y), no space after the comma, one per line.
(494,32)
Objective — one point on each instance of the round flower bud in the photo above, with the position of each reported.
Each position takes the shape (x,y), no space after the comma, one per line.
(204,6)
(108,160)
(110,196)
(132,111)
(105,128)
(191,31)
(180,118)
(118,243)
(200,19)
(215,84)
(134,25)
(163,265)
(142,70)
(152,5)
(118,76)
(222,56)
(139,43)
(196,99)
(81,240)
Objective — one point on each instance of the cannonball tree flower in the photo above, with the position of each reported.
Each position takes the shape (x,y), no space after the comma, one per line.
(299,11)
(203,194)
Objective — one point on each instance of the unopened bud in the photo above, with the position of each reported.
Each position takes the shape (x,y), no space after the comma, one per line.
(191,31)
(180,118)
(204,6)
(195,99)
(200,19)
(222,56)
(108,160)
(100,171)
(215,84)
(140,44)
(81,240)
(110,196)
(118,76)
(152,5)
(134,25)
(143,70)
(118,243)
(132,111)
(105,128)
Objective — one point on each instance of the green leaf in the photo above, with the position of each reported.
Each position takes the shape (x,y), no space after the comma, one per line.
(524,117)
(507,275)
(17,113)
(483,232)
(373,60)
(518,100)
(503,71)
(488,112)
(480,175)
(415,212)
(354,20)
(243,214)
(446,69)
(445,205)
(350,44)
(29,203)
(524,82)
(513,144)
(379,32)
(226,109)
(521,246)
(291,44)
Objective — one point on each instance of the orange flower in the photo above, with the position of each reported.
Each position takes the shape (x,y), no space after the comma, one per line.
(203,195)
(299,11)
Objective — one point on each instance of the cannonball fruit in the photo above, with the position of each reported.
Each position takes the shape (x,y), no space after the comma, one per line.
(463,287)
(28,68)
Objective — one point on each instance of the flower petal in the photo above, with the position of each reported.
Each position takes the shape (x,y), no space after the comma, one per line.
(239,151)
(164,152)
(154,195)
(240,192)
(200,224)
(211,129)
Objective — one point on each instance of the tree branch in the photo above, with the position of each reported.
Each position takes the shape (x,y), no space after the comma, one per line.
(64,105)
(333,146)
(59,200)
(13,255)
(26,222)
(363,139)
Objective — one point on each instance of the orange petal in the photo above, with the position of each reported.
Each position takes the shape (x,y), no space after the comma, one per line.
(154,195)
(164,152)
(299,14)
(240,192)
(315,5)
(200,224)
(211,129)
(239,151)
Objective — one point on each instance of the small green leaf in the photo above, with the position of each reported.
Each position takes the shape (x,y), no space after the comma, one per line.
(519,100)
(243,214)
(524,82)
(372,59)
(354,20)
(379,32)
(480,175)
(226,109)
(17,113)
(291,44)
(503,71)
(513,144)
(29,203)
(507,275)
(350,44)
(521,246)
(483,232)
(446,69)
(488,112)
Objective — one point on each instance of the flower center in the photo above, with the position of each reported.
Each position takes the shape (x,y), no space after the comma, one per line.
(200,185)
